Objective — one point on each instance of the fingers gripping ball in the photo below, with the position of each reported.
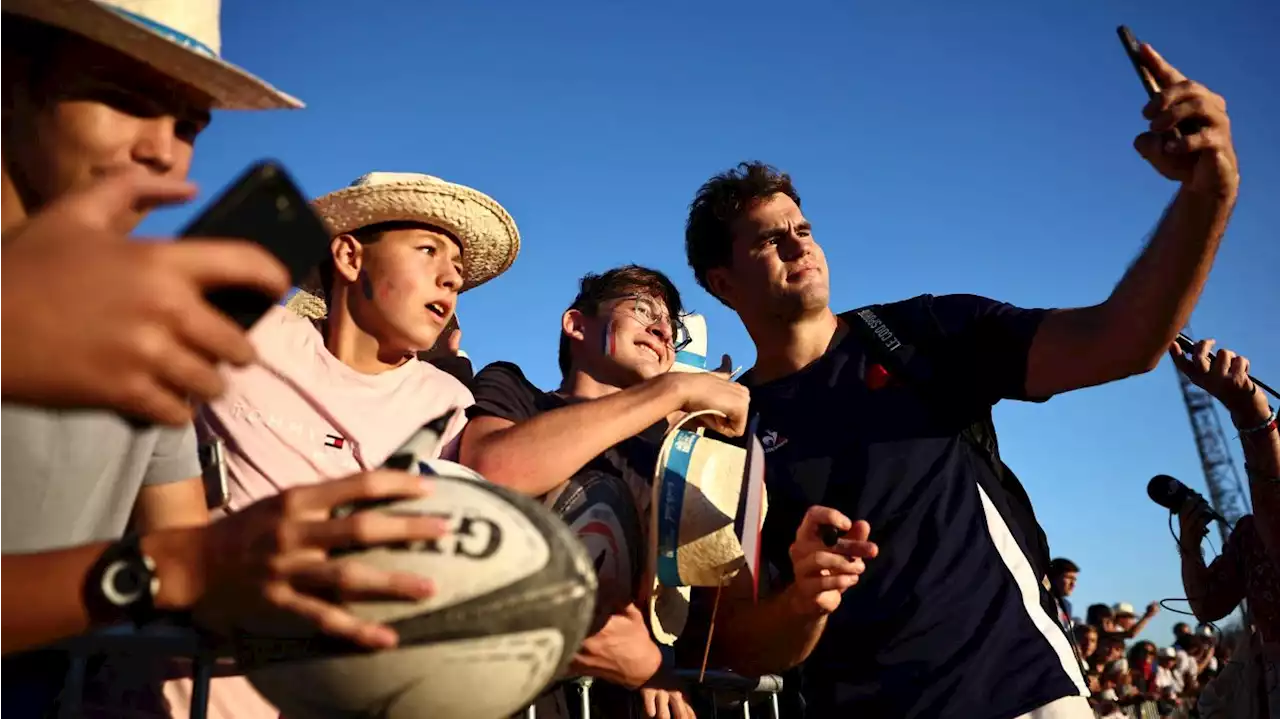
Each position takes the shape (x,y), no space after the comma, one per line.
(515,593)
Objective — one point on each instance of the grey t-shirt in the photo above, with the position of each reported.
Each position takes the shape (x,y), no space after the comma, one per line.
(71,477)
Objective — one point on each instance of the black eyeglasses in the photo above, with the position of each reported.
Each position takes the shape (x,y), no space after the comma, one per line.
(646,312)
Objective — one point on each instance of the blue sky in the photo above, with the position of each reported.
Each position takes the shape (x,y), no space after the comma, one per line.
(939,147)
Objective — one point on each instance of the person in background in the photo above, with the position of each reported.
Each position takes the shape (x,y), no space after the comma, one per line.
(1142,665)
(1086,641)
(961,543)
(1127,623)
(1062,582)
(1248,567)
(102,105)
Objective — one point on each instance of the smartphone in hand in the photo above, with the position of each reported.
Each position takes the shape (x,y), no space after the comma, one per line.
(1133,49)
(265,206)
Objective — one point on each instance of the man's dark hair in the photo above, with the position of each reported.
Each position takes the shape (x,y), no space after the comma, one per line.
(1061,566)
(708,235)
(320,281)
(596,289)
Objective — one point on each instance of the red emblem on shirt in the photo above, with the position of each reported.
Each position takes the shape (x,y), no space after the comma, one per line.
(335,441)
(877,377)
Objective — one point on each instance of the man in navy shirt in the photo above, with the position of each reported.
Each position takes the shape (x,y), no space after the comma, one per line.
(954,618)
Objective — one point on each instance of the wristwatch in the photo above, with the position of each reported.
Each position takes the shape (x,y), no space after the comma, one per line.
(124,581)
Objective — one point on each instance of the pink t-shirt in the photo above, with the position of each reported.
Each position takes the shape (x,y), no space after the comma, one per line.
(300,416)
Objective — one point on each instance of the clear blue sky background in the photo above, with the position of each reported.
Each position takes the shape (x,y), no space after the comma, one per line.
(939,147)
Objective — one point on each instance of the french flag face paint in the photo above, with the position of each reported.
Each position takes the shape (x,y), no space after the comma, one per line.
(606,342)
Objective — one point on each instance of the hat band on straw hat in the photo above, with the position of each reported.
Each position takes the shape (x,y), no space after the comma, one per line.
(690,358)
(670,506)
(164,31)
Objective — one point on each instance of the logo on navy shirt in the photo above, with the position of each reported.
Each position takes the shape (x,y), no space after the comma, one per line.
(771,441)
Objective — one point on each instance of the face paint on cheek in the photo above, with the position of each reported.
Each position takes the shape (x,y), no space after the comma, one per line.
(606,342)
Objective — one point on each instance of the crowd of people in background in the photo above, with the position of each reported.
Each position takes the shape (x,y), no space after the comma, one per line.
(1135,678)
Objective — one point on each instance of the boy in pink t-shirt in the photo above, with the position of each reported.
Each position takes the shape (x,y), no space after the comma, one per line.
(337,392)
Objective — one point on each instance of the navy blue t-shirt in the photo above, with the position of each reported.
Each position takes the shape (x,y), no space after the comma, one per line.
(950,619)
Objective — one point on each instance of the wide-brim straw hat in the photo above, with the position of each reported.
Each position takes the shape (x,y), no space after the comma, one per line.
(179,38)
(489,237)
(692,541)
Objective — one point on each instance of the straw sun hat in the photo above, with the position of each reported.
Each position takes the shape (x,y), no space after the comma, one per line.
(489,237)
(179,38)
(696,522)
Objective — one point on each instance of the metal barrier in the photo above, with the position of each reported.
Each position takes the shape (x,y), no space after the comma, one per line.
(170,641)
(723,690)
(157,641)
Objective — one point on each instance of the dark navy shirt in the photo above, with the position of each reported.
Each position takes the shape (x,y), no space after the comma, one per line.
(950,620)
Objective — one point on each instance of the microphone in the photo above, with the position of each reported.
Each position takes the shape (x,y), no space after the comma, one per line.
(1172,495)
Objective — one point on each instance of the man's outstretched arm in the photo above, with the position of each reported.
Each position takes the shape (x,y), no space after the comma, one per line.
(781,631)
(1129,332)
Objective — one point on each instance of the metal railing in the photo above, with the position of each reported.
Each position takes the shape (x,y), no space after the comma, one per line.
(162,642)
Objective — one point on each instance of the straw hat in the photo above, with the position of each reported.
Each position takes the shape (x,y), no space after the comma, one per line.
(490,240)
(179,38)
(693,541)
(693,358)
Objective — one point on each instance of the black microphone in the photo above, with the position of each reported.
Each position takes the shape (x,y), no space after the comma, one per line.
(1172,495)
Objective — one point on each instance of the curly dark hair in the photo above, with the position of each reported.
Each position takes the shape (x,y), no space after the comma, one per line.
(708,237)
(596,289)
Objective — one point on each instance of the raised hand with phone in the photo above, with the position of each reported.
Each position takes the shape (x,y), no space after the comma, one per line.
(1189,135)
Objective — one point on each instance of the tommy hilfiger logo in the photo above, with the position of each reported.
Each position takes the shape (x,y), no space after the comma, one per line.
(771,441)
(335,441)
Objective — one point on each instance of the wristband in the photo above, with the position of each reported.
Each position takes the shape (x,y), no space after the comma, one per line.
(1267,424)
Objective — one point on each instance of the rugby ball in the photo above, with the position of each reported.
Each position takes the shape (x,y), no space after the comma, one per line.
(515,594)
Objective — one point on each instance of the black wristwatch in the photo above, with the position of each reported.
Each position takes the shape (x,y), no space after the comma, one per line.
(124,582)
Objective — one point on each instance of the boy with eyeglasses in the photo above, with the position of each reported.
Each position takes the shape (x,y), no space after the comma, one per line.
(590,446)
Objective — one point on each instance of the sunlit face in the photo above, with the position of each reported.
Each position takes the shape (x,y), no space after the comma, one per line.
(628,340)
(92,112)
(777,270)
(1088,642)
(1066,583)
(1125,621)
(404,286)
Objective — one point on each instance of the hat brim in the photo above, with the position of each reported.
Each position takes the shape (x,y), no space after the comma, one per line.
(227,86)
(488,234)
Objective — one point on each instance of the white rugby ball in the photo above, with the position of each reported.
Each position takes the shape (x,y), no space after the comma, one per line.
(515,595)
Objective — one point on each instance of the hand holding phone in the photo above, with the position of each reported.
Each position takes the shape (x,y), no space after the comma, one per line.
(1133,49)
(1189,140)
(266,207)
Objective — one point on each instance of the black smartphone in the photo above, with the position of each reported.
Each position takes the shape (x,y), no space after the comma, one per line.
(264,205)
(1134,51)
(1185,343)
(1189,126)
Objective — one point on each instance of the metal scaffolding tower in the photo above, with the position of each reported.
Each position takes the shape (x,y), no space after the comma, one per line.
(1226,493)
